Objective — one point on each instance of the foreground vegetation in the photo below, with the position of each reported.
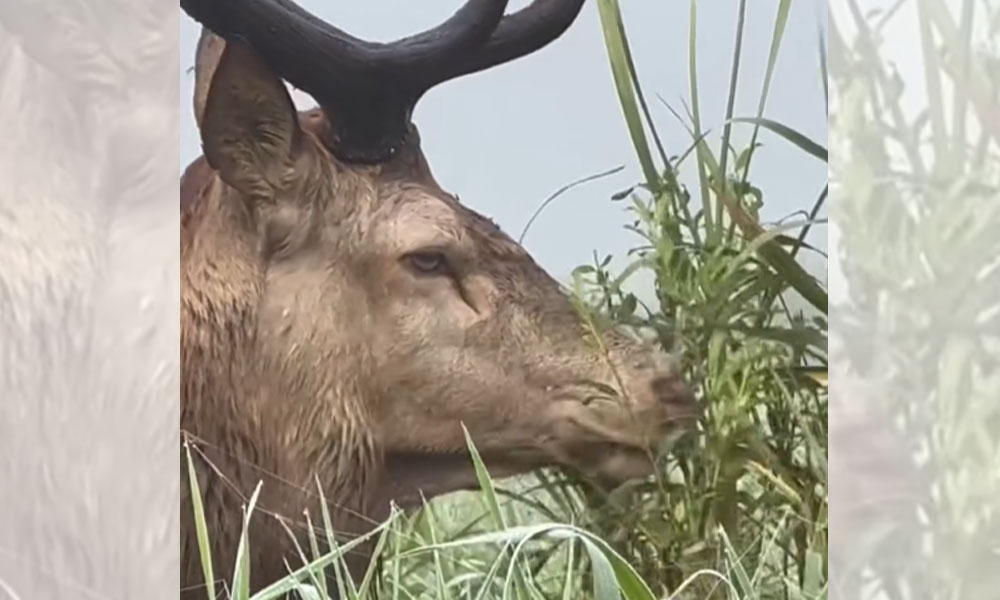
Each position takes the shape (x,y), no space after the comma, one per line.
(738,510)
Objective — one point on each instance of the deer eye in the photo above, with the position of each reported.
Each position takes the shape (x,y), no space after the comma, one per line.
(429,262)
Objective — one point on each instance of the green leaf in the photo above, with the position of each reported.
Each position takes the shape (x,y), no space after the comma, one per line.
(780,260)
(605,582)
(788,133)
(744,157)
(812,582)
(617,196)
(627,308)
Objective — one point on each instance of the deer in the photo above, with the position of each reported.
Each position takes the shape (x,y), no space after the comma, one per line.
(345,320)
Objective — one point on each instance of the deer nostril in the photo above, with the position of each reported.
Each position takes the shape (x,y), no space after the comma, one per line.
(676,394)
(671,389)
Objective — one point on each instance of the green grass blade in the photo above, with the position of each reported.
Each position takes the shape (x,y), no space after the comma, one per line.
(731,97)
(605,581)
(201,530)
(345,585)
(789,134)
(282,587)
(811,220)
(241,570)
(561,191)
(443,591)
(569,585)
(485,483)
(489,578)
(314,578)
(493,507)
(780,20)
(703,150)
(380,545)
(736,567)
(633,72)
(625,576)
(615,44)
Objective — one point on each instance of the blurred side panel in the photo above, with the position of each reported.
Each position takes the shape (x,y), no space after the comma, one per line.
(915,402)
(89,299)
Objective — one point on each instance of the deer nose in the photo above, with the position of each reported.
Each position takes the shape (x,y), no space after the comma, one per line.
(677,399)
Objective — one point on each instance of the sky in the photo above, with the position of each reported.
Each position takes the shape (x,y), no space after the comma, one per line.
(506,139)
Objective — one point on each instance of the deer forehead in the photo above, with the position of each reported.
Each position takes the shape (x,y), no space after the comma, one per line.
(420,218)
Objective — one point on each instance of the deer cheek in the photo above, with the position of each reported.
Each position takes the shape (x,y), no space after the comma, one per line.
(476,292)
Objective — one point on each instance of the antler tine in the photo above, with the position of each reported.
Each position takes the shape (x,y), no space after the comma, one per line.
(281,32)
(468,27)
(265,25)
(519,34)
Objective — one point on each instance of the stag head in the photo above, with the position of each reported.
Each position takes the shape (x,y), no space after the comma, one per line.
(384,312)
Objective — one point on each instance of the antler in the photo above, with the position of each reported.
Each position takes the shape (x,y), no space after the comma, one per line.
(368,89)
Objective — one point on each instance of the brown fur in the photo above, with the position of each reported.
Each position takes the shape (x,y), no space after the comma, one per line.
(311,351)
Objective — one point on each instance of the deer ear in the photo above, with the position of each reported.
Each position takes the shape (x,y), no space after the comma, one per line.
(210,47)
(250,126)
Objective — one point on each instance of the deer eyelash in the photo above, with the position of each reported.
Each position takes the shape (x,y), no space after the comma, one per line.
(428,262)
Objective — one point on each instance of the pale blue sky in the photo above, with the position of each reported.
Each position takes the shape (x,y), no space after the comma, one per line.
(506,139)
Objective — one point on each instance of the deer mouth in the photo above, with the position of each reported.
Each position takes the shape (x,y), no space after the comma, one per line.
(610,463)
(614,448)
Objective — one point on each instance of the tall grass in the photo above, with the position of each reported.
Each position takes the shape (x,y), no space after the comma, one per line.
(738,510)
(725,285)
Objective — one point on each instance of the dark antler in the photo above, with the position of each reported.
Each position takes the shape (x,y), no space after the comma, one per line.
(367,89)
